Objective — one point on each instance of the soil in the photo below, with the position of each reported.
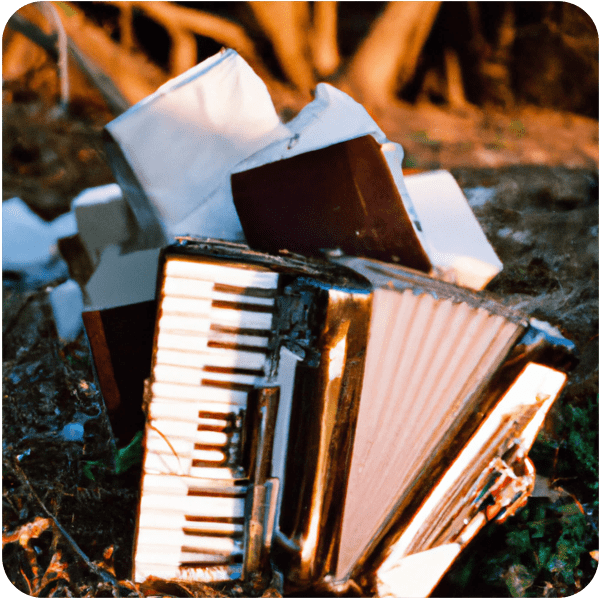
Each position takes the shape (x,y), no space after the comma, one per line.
(531,178)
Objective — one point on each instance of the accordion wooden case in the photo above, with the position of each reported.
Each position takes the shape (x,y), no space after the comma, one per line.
(331,421)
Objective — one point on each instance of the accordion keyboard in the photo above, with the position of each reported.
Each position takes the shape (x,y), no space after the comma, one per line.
(211,350)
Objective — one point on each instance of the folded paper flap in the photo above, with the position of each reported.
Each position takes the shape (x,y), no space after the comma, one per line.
(182,141)
(103,205)
(458,244)
(332,117)
(147,230)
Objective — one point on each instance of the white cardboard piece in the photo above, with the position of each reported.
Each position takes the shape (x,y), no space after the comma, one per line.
(29,244)
(122,279)
(458,246)
(66,300)
(182,141)
(416,575)
(102,218)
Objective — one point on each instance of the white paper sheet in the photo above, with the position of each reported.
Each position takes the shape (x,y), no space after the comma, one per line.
(459,248)
(29,244)
(183,140)
(102,218)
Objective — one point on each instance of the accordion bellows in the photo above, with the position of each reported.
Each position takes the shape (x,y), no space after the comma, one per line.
(304,412)
(425,360)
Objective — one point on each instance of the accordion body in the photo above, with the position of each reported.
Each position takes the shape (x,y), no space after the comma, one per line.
(330,420)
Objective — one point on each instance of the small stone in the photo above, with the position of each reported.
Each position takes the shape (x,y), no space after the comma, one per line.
(72,432)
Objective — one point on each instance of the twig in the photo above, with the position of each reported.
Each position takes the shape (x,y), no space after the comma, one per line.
(50,13)
(104,575)
(115,100)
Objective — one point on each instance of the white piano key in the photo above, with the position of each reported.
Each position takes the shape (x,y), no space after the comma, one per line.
(182,448)
(198,342)
(212,438)
(186,393)
(166,428)
(168,409)
(165,484)
(201,305)
(233,378)
(168,562)
(169,464)
(191,376)
(168,373)
(245,319)
(190,431)
(238,338)
(188,288)
(186,306)
(181,485)
(216,357)
(214,473)
(246,298)
(174,341)
(168,322)
(153,519)
(149,538)
(242,275)
(155,462)
(214,456)
(198,506)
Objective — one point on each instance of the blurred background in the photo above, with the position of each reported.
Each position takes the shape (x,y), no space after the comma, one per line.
(485,83)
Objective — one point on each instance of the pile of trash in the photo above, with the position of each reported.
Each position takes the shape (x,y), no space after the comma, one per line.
(174,155)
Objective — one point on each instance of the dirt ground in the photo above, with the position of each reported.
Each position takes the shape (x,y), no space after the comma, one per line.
(532,180)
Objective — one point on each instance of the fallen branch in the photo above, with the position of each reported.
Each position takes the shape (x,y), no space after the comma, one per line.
(46,41)
(133,76)
(101,573)
(115,100)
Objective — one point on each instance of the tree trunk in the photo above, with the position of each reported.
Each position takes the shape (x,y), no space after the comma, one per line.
(387,58)
(324,46)
(286,24)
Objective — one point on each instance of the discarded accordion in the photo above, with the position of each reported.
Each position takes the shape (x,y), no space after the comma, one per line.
(339,422)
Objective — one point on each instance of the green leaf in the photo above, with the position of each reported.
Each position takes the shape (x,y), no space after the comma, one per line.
(544,555)
(520,540)
(130,455)
(537,529)
(87,470)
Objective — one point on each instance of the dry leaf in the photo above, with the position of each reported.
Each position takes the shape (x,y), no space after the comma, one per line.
(27,531)
(57,569)
(107,562)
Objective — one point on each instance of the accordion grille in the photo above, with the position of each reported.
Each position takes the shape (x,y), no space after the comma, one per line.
(211,349)
(426,357)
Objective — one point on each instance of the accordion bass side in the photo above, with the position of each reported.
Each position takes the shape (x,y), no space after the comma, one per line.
(330,420)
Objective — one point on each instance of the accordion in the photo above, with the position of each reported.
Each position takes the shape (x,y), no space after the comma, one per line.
(336,421)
